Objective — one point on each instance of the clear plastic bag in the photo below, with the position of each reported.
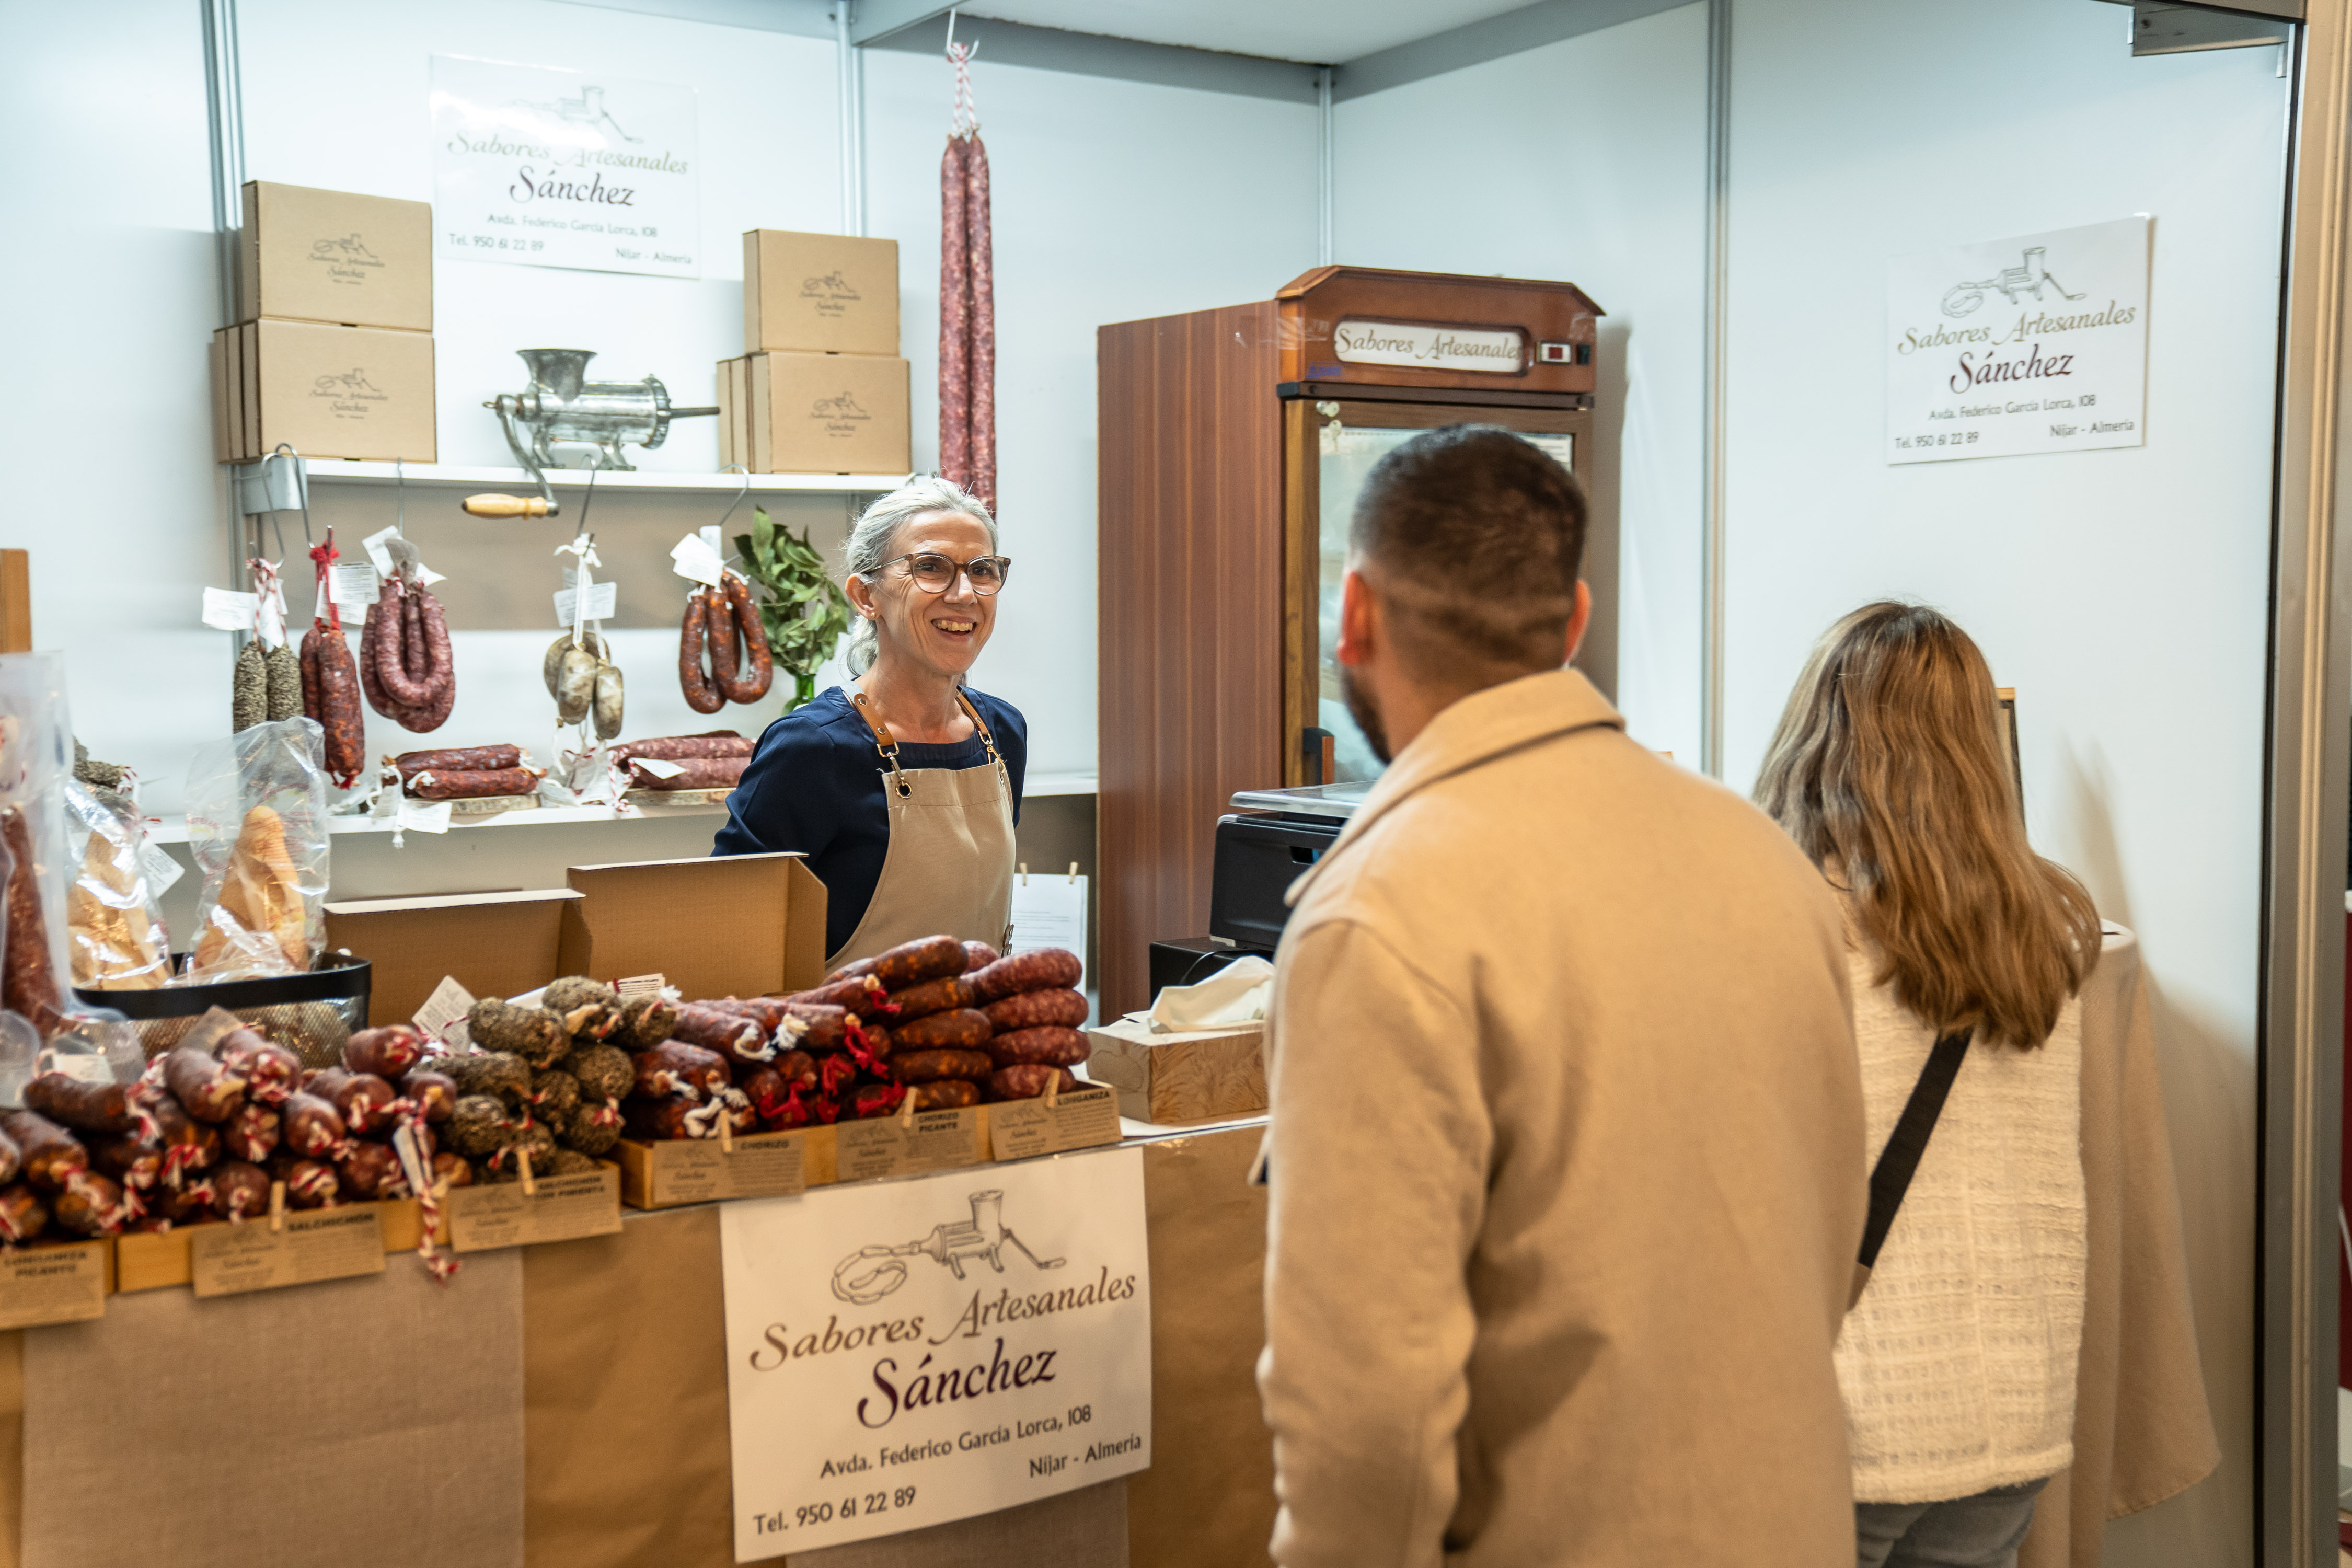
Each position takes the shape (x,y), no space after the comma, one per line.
(36,756)
(114,922)
(258,829)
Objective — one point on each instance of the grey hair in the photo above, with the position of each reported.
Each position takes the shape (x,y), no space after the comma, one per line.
(873,543)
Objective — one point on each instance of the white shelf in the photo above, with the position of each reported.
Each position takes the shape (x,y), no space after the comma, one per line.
(1036,785)
(174,829)
(335,470)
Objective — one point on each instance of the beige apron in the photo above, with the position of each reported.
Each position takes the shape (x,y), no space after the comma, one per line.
(949,864)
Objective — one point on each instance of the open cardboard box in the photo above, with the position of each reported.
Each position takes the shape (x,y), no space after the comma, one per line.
(730,925)
(496,944)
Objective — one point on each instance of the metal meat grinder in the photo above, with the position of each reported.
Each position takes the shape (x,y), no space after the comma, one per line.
(561,405)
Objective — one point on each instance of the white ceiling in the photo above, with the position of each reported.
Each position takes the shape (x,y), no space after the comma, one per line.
(1317,31)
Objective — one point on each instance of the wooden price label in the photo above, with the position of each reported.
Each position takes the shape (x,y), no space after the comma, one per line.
(52,1284)
(323,1244)
(903,1145)
(564,1209)
(1079,1119)
(698,1170)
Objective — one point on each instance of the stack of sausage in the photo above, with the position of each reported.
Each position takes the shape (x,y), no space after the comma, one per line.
(712,761)
(545,1083)
(947,1024)
(717,620)
(206,1132)
(1002,1028)
(464,773)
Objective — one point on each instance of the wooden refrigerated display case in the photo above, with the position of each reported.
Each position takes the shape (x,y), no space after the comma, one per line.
(1233,445)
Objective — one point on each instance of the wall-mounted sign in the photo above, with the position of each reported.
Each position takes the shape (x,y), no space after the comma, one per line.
(1431,348)
(926,1350)
(555,168)
(2032,344)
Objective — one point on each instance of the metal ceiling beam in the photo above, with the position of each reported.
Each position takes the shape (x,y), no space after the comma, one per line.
(808,19)
(1475,43)
(1098,54)
(871,21)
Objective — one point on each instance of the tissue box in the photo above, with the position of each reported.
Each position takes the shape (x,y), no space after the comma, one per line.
(1204,1075)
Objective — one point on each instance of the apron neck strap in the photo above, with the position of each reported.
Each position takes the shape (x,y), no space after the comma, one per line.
(887,745)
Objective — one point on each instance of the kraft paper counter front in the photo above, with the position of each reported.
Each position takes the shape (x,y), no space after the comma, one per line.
(565,1406)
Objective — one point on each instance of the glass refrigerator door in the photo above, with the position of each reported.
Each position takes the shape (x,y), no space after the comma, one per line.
(1346,454)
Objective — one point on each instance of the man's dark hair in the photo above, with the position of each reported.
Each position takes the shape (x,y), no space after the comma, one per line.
(1472,537)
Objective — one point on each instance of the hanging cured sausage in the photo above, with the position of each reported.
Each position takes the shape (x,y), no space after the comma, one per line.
(331,680)
(967,300)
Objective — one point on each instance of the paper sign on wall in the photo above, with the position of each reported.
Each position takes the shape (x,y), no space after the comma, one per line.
(985,1340)
(2032,344)
(1049,909)
(554,168)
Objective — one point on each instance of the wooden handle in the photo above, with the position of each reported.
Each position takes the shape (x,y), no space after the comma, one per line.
(506,506)
(16,602)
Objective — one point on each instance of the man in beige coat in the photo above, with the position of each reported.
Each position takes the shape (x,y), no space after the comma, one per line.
(1567,1158)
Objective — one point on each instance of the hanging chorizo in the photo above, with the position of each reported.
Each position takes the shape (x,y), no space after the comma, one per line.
(700,694)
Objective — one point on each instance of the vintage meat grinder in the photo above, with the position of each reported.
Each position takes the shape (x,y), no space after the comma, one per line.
(563,405)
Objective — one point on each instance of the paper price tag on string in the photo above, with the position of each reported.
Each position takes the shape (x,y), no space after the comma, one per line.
(379,553)
(696,558)
(424,815)
(660,767)
(443,1016)
(160,868)
(352,584)
(231,611)
(602,597)
(639,985)
(1049,909)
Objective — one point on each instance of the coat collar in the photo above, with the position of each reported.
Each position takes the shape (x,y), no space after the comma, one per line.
(1473,732)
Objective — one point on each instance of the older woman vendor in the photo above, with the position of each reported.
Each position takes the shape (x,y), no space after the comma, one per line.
(901,788)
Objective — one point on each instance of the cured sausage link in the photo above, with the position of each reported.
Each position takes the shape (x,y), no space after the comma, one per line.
(700,694)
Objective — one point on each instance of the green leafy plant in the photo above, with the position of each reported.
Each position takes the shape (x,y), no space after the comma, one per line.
(805,612)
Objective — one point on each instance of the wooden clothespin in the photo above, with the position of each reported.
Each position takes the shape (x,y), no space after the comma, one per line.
(276,1207)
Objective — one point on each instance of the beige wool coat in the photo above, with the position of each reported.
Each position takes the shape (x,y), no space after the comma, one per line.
(1565,1165)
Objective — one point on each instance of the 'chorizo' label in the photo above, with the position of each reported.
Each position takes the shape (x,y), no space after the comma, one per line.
(565,1208)
(52,1284)
(325,1243)
(893,1146)
(1078,1118)
(696,1170)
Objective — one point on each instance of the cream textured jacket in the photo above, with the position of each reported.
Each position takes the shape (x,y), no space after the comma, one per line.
(1957,1364)
(1565,1165)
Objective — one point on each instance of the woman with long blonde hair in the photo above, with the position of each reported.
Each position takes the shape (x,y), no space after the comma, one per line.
(1957,1362)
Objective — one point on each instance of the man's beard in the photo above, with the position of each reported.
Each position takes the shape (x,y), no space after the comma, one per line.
(1367,717)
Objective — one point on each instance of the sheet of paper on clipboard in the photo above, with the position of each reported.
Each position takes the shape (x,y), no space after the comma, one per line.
(1049,909)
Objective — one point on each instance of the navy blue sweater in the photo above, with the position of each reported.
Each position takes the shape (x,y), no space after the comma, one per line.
(815,785)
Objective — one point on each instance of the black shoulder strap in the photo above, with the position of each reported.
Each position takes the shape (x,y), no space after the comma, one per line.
(1891,1177)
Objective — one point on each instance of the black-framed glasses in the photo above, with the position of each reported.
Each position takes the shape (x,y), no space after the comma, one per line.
(937,573)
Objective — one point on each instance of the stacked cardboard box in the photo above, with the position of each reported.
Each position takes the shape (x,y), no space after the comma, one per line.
(332,354)
(819,388)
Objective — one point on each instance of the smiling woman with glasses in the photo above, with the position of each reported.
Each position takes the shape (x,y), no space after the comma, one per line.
(903,787)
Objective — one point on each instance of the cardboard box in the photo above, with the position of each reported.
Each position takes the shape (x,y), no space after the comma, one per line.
(730,925)
(249,390)
(330,255)
(337,392)
(217,362)
(828,414)
(494,944)
(828,293)
(738,394)
(1196,1076)
(726,413)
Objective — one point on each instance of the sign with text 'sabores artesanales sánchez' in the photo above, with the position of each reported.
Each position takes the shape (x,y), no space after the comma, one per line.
(912,1352)
(2032,344)
(561,168)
